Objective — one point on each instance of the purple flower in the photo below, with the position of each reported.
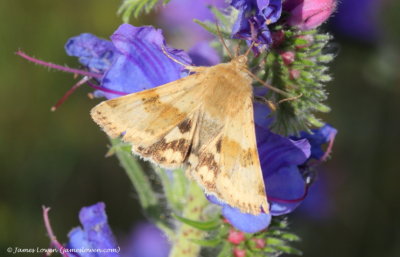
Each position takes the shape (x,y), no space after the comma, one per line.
(245,222)
(317,138)
(178,16)
(138,60)
(95,53)
(253,20)
(146,241)
(141,63)
(202,54)
(96,233)
(308,14)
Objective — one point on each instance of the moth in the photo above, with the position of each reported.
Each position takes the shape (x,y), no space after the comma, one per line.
(204,122)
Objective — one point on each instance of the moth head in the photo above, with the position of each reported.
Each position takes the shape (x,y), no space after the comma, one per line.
(240,60)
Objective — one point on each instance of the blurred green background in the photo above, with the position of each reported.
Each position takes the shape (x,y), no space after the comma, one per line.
(57,159)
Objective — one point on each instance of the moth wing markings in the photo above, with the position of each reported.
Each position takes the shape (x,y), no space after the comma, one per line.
(172,150)
(229,166)
(150,119)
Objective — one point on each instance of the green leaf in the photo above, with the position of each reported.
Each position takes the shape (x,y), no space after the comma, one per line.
(288,249)
(201,225)
(137,7)
(208,243)
(211,27)
(290,237)
(300,42)
(226,250)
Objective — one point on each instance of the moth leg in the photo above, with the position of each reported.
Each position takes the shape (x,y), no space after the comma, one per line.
(290,98)
(267,102)
(265,84)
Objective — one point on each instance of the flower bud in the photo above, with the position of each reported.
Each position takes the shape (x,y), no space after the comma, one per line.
(294,74)
(259,243)
(239,252)
(236,237)
(288,57)
(308,14)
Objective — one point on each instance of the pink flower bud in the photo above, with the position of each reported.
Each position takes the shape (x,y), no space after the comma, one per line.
(277,38)
(294,74)
(308,14)
(239,252)
(308,38)
(260,243)
(236,237)
(287,57)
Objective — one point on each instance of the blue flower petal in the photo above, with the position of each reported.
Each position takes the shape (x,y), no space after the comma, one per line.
(141,63)
(246,222)
(273,11)
(253,20)
(318,137)
(146,241)
(96,233)
(276,151)
(279,159)
(202,54)
(285,189)
(262,4)
(243,221)
(95,53)
(261,114)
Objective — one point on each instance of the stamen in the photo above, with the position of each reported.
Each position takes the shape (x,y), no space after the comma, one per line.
(69,92)
(50,233)
(326,154)
(291,200)
(58,67)
(329,148)
(106,89)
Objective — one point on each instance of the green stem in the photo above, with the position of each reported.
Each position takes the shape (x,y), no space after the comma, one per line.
(183,244)
(147,197)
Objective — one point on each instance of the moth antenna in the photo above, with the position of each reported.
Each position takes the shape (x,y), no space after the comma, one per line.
(172,58)
(223,41)
(248,50)
(265,84)
(187,67)
(237,49)
(290,98)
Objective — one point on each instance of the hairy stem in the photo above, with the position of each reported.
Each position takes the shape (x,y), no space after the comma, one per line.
(183,244)
(147,197)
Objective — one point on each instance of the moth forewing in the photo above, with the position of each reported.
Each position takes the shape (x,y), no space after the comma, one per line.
(204,121)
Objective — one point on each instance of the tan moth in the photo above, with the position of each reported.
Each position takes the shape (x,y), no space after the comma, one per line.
(204,122)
